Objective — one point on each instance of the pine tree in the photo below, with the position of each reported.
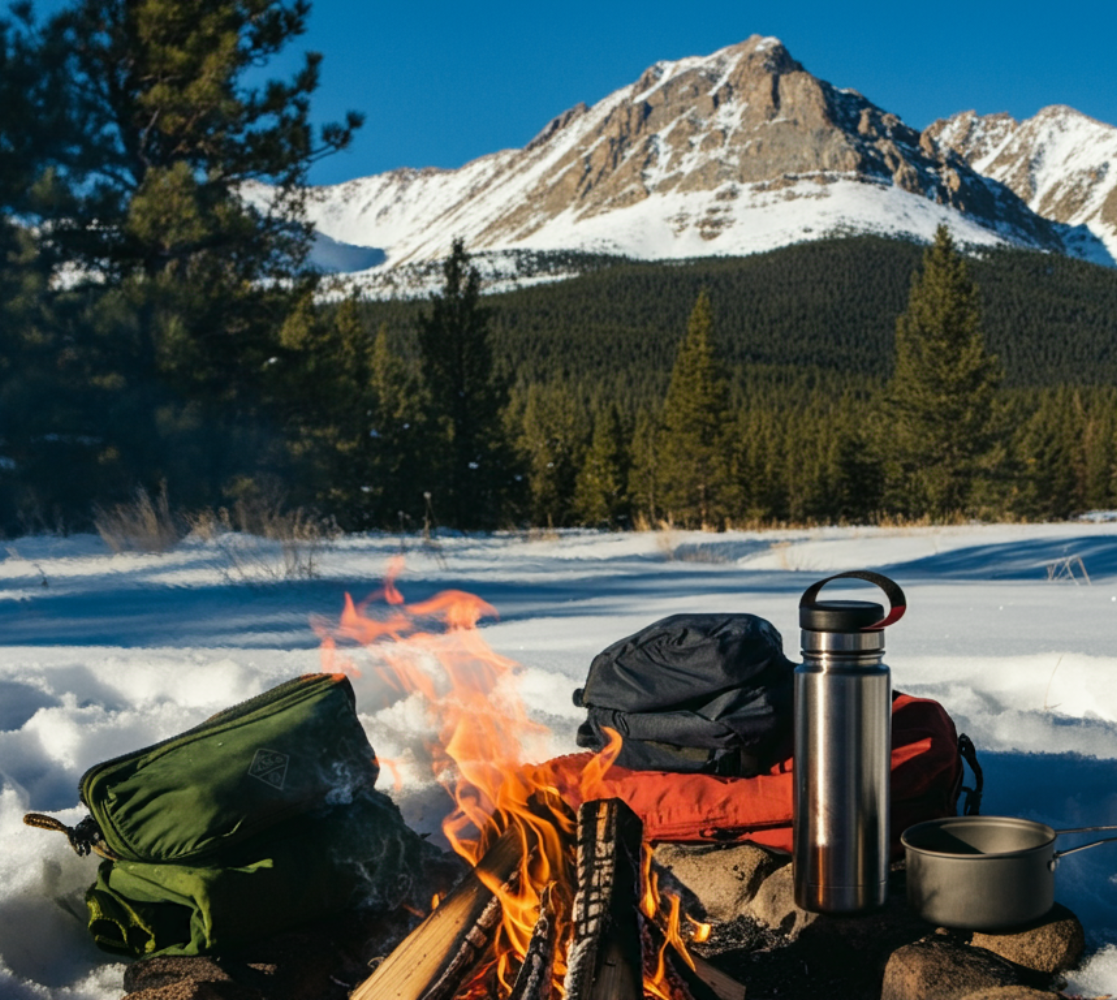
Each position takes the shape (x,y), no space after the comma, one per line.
(170,134)
(694,460)
(395,443)
(939,437)
(600,498)
(552,442)
(1100,449)
(135,144)
(157,196)
(1048,447)
(467,397)
(643,485)
(860,483)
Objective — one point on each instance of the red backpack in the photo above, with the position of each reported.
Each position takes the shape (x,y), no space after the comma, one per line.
(927,776)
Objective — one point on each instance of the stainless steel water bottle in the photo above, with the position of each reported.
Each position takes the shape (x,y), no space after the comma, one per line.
(843,745)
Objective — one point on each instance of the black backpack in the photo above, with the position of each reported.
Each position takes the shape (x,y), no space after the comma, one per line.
(709,693)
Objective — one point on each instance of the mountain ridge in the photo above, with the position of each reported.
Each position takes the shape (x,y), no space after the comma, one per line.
(1061,162)
(727,154)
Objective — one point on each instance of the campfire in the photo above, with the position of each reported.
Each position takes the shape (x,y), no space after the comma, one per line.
(559,901)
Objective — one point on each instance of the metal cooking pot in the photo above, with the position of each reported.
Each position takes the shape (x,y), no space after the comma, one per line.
(984,873)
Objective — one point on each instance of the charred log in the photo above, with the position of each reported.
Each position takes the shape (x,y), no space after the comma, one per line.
(435,958)
(604,961)
(534,980)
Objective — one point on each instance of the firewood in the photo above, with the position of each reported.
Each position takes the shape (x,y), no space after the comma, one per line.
(702,982)
(723,985)
(433,960)
(604,960)
(470,951)
(534,980)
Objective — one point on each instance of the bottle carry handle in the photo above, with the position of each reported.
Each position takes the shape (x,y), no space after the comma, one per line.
(897,602)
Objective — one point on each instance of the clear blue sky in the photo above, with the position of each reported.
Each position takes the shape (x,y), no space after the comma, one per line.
(443,82)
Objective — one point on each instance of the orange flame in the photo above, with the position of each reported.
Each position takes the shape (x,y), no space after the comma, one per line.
(591,784)
(435,651)
(651,904)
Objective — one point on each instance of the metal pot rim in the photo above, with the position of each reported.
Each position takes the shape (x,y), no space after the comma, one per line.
(928,826)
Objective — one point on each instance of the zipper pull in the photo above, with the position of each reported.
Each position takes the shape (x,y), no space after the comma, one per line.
(84,837)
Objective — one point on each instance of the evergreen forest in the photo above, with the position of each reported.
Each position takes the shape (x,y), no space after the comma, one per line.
(163,335)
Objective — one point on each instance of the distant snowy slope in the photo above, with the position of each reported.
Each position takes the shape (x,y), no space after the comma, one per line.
(728,154)
(1061,162)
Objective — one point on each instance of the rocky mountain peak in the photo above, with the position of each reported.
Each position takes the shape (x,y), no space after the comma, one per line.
(969,130)
(765,54)
(1062,163)
(728,153)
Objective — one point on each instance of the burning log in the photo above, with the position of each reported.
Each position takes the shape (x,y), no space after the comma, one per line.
(473,947)
(604,961)
(533,982)
(435,958)
(720,984)
(688,977)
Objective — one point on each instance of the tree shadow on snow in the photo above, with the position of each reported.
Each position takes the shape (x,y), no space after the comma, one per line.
(1022,560)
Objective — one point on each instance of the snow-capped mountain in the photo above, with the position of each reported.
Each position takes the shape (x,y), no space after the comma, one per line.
(1061,162)
(727,154)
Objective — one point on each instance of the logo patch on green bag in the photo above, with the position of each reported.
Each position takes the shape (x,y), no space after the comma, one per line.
(270,767)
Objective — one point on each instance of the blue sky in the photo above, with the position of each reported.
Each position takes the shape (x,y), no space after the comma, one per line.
(442,82)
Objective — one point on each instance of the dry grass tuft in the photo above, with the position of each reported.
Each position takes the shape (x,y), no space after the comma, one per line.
(263,541)
(140,525)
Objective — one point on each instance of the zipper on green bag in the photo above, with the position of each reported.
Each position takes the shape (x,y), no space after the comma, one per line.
(88,836)
(306,682)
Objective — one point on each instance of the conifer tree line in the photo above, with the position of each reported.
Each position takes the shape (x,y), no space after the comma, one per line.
(160,328)
(940,438)
(715,445)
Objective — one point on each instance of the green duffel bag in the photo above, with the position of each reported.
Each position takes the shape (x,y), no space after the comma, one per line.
(290,749)
(259,819)
(357,855)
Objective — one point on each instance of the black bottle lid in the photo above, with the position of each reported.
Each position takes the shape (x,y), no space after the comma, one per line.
(851,616)
(840,616)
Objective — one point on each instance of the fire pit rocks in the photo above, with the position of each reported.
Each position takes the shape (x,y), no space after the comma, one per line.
(782,952)
(759,937)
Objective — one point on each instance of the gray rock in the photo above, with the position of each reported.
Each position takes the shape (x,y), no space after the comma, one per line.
(722,879)
(774,906)
(941,969)
(1051,944)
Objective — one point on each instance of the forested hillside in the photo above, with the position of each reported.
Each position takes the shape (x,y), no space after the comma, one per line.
(805,341)
(830,305)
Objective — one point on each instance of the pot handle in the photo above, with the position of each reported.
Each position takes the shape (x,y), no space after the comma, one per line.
(1082,847)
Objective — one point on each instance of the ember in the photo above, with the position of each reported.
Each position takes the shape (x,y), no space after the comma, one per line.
(528,921)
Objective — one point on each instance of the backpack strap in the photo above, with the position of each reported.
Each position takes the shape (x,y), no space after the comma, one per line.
(971,804)
(84,837)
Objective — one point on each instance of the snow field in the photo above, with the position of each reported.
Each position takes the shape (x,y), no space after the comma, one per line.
(116,652)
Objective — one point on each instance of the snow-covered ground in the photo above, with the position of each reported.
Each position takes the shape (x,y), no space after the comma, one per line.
(105,653)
